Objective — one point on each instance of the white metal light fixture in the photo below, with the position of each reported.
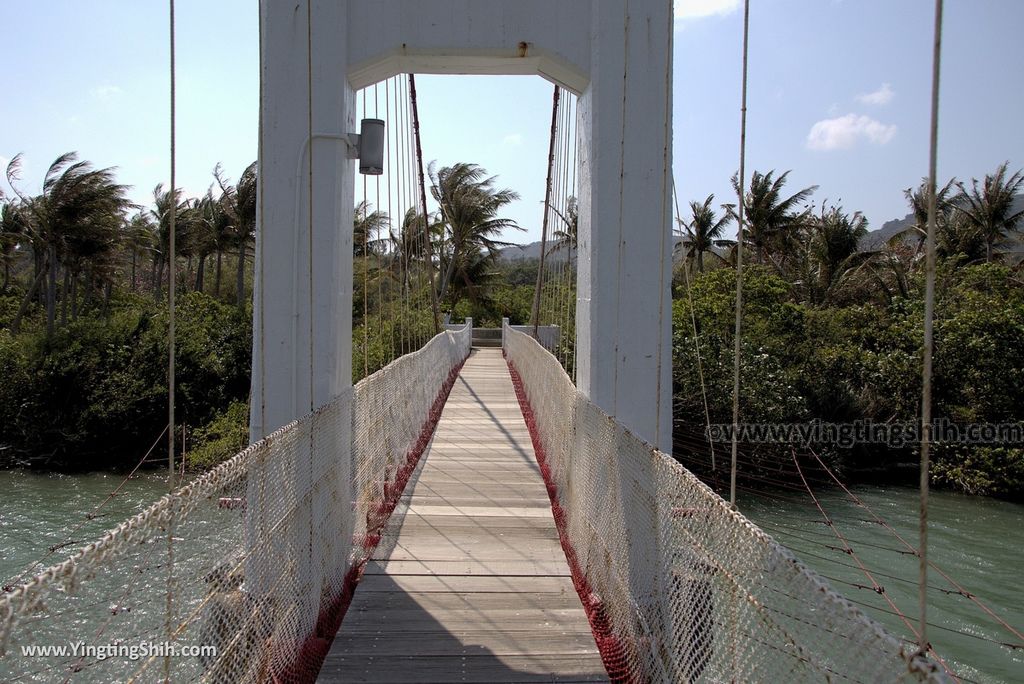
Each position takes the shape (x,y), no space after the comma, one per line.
(371,147)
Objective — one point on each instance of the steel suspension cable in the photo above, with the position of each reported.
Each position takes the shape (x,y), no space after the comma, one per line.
(379,256)
(171,291)
(558,193)
(929,315)
(423,198)
(959,589)
(366,267)
(388,171)
(696,336)
(535,322)
(875,586)
(737,335)
(568,190)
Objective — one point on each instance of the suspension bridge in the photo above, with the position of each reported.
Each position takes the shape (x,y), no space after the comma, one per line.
(466,512)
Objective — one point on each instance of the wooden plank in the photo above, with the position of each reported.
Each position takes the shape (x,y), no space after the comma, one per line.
(523,598)
(469,582)
(479,667)
(479,511)
(483,553)
(454,523)
(451,620)
(481,585)
(443,643)
(503,568)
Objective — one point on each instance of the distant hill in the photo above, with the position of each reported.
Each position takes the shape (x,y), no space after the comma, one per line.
(532,251)
(877,238)
(873,240)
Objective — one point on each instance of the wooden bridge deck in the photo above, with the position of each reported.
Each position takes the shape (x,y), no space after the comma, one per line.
(470,583)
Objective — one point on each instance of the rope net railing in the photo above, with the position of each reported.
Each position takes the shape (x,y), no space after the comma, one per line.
(679,586)
(244,574)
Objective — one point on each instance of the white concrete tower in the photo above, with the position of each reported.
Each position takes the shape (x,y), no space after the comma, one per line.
(615,54)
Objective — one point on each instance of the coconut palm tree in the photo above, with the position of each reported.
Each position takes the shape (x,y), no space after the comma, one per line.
(77,211)
(772,224)
(139,237)
(163,201)
(367,228)
(989,206)
(917,198)
(12,232)
(210,222)
(469,205)
(240,204)
(834,249)
(565,235)
(704,231)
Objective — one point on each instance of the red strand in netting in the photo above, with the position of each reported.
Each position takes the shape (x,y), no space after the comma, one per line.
(613,649)
(304,667)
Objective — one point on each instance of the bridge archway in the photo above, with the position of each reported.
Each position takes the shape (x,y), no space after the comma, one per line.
(614,54)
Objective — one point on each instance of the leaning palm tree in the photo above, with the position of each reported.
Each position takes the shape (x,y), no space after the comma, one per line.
(76,199)
(367,228)
(704,231)
(565,236)
(772,222)
(989,206)
(163,202)
(210,221)
(138,238)
(12,232)
(469,205)
(240,204)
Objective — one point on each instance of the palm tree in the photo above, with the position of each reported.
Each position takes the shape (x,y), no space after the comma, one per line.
(367,227)
(163,200)
(834,247)
(772,223)
(12,232)
(240,204)
(917,198)
(139,237)
(566,235)
(210,222)
(704,231)
(469,206)
(77,211)
(989,206)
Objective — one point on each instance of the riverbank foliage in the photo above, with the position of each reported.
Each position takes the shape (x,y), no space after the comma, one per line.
(832,323)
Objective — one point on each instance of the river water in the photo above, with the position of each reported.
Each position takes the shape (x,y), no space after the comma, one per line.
(977,541)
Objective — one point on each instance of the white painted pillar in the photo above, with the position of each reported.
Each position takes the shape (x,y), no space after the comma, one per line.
(302,325)
(617,52)
(624,310)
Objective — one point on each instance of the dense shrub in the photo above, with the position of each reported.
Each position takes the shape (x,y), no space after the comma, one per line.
(863,361)
(95,394)
(221,438)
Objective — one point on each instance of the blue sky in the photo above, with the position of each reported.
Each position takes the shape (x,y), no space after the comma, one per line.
(838,93)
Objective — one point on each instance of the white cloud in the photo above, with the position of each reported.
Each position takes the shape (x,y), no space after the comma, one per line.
(512,140)
(882,96)
(695,9)
(842,133)
(106,92)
